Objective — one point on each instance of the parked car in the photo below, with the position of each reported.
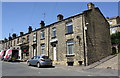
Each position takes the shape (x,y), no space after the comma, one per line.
(11,55)
(39,61)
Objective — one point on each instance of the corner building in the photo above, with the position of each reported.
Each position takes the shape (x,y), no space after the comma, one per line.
(83,38)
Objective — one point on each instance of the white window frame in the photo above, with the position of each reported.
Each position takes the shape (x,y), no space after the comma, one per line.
(54,32)
(67,25)
(42,49)
(34,37)
(70,44)
(42,33)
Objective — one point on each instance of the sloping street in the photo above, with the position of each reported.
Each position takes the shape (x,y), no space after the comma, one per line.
(21,69)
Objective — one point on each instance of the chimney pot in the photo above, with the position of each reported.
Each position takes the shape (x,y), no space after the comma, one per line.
(59,17)
(91,5)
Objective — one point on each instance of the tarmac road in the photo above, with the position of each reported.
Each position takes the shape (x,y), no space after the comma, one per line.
(20,69)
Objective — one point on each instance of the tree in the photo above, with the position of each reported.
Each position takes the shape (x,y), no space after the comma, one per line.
(115,38)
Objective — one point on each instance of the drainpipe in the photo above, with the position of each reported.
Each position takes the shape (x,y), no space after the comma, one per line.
(36,42)
(48,39)
(84,40)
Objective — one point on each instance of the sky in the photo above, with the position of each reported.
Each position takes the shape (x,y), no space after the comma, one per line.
(18,16)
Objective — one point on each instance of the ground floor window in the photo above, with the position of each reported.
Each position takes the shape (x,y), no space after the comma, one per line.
(42,48)
(70,47)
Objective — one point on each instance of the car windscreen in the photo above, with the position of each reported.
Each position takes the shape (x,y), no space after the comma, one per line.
(45,57)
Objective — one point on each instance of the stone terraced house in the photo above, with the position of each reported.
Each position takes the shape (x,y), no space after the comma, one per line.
(83,39)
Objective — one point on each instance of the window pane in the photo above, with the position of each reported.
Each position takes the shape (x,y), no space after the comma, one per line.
(69,29)
(70,47)
(42,35)
(42,48)
(54,32)
(34,37)
(43,51)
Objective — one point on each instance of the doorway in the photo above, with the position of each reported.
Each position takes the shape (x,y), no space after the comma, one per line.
(54,49)
(54,53)
(34,50)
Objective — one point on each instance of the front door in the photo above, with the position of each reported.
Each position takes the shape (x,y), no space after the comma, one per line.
(54,50)
(34,50)
(54,53)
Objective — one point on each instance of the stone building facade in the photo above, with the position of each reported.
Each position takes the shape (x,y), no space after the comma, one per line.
(114,28)
(79,39)
(1,46)
(114,24)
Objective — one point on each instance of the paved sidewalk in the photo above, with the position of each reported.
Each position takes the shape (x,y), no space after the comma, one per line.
(110,64)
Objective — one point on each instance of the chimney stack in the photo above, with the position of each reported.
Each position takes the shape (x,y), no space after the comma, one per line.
(59,17)
(91,5)
(5,39)
(14,35)
(42,24)
(29,29)
(10,38)
(21,33)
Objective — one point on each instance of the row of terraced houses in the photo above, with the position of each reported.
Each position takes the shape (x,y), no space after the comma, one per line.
(84,37)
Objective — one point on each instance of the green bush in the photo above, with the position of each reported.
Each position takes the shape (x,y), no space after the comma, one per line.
(115,38)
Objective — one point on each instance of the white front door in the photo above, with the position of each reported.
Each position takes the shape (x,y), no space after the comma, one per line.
(34,52)
(20,54)
(54,52)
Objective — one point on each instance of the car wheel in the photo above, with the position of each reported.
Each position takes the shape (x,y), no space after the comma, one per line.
(28,63)
(50,65)
(38,65)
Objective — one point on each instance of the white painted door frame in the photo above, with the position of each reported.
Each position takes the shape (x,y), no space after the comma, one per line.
(54,53)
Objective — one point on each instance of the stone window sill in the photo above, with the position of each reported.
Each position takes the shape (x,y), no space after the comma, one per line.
(70,55)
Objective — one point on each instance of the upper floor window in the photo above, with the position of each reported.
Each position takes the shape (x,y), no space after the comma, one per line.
(54,32)
(28,38)
(34,37)
(14,42)
(42,34)
(70,47)
(110,22)
(17,40)
(69,27)
(20,40)
(11,43)
(42,48)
